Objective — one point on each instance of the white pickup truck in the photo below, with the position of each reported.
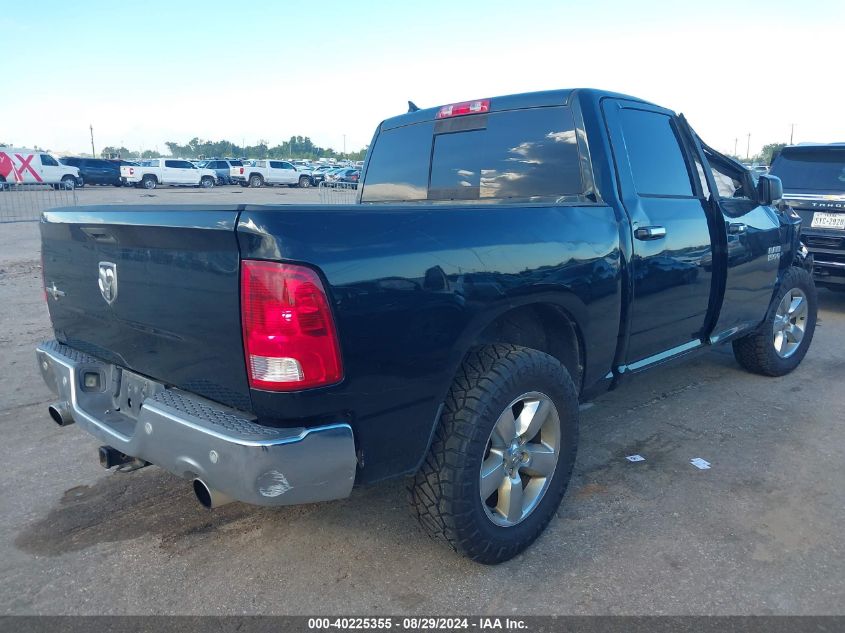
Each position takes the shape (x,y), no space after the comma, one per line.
(166,171)
(257,173)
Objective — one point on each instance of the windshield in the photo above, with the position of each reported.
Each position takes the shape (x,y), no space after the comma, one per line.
(811,169)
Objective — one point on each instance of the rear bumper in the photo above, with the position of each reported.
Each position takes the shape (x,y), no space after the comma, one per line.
(195,438)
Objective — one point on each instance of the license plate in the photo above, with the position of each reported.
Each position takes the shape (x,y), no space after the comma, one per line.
(828,220)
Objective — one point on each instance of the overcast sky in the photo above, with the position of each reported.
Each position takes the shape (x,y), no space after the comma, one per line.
(148,72)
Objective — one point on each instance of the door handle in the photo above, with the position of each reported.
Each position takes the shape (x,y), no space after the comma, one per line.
(736,228)
(650,232)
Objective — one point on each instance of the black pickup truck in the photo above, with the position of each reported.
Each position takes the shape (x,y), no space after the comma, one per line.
(507,258)
(813,177)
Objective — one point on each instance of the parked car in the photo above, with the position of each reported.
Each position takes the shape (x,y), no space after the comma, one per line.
(257,173)
(222,167)
(95,171)
(32,166)
(508,259)
(346,175)
(332,174)
(813,178)
(166,171)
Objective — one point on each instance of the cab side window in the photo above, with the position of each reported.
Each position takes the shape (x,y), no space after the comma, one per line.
(731,182)
(654,152)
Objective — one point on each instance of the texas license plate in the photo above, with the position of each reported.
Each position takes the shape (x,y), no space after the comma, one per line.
(828,220)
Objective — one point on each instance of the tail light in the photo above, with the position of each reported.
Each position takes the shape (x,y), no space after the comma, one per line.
(467,107)
(289,334)
(242,171)
(131,171)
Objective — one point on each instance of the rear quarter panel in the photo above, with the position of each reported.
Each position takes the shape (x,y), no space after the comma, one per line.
(412,286)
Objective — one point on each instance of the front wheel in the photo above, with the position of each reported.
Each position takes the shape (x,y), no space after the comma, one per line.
(206,182)
(68,182)
(304,182)
(780,343)
(502,455)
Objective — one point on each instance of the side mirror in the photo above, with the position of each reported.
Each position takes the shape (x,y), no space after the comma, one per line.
(769,189)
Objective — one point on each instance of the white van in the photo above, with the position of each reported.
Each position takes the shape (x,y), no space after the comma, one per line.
(31,166)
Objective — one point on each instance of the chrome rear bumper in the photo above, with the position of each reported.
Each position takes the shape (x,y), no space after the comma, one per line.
(195,438)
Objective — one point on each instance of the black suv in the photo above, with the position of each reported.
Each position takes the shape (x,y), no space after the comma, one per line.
(96,171)
(814,185)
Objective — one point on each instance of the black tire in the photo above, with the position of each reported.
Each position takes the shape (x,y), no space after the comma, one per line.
(117,184)
(244,183)
(445,492)
(304,182)
(149,182)
(206,182)
(757,353)
(256,181)
(68,182)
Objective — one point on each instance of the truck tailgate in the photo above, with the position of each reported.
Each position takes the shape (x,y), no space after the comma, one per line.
(153,290)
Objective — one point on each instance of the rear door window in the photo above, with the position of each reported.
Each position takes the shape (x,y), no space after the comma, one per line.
(527,155)
(654,153)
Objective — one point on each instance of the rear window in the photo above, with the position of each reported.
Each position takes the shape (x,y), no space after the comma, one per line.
(527,154)
(813,170)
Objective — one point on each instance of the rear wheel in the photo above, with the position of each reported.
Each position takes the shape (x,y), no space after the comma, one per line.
(502,455)
(256,180)
(304,182)
(149,182)
(780,343)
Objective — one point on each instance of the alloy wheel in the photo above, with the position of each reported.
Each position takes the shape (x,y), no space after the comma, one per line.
(790,322)
(520,459)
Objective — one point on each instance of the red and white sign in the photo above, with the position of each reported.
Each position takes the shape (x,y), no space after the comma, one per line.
(17,166)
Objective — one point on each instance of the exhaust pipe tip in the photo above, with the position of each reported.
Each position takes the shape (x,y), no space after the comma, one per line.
(209,497)
(60,413)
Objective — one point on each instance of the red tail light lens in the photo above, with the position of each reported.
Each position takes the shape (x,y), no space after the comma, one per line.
(467,107)
(290,339)
(131,171)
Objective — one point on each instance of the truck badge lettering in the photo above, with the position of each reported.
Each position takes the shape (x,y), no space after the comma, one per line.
(108,281)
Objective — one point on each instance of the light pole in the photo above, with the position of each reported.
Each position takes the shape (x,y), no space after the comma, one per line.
(736,140)
(748,147)
(791,132)
(344,144)
(91,128)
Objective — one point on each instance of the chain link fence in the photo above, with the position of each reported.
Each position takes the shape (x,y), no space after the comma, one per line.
(22,202)
(338,192)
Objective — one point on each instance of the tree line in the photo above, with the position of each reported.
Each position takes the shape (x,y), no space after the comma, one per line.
(765,157)
(300,147)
